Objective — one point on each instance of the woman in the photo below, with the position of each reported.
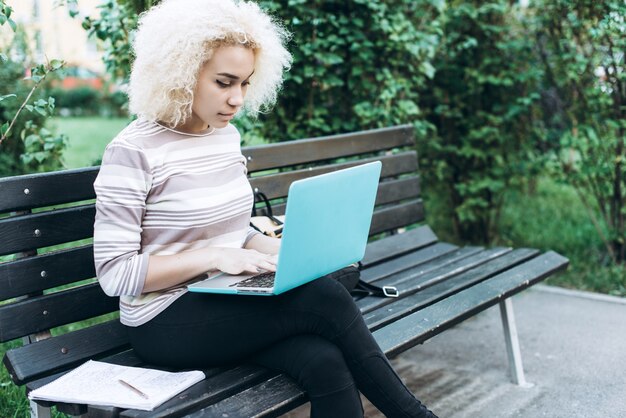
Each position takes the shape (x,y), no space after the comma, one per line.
(173,202)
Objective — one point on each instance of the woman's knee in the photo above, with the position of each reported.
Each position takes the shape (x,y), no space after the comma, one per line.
(328,294)
(323,369)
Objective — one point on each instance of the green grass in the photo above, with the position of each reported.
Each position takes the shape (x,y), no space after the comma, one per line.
(88,136)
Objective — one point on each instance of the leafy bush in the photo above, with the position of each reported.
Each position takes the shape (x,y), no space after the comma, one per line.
(581,46)
(79,101)
(357,65)
(481,105)
(26,145)
(28,148)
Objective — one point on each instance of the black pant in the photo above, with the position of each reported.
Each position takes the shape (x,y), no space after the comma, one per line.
(314,333)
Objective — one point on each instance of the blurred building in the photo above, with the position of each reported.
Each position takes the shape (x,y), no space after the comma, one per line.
(53,34)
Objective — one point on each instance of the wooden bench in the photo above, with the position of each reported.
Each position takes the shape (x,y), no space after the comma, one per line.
(440,284)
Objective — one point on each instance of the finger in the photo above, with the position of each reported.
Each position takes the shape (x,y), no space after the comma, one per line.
(268,266)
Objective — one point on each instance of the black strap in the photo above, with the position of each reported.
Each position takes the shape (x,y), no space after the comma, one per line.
(364,288)
(260,197)
(368,289)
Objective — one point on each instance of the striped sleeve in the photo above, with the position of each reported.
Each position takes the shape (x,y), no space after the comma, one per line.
(251,233)
(121,189)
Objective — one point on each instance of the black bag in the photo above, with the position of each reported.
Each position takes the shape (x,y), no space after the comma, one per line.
(350,278)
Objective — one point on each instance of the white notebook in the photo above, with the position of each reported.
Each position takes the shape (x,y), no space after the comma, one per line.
(98,383)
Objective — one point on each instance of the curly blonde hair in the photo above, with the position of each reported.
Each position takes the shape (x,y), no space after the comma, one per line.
(176,37)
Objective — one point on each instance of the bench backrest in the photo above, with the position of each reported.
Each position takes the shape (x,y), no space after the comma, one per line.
(46,226)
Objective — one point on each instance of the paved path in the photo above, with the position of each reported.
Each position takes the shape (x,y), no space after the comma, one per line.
(574,350)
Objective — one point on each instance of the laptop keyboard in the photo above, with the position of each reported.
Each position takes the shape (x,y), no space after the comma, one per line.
(260,280)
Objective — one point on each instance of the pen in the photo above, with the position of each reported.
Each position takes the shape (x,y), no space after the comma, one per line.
(134,389)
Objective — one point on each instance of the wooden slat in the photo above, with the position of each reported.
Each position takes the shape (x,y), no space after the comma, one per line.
(277,185)
(284,154)
(422,325)
(19,233)
(399,308)
(33,274)
(44,312)
(388,218)
(420,258)
(59,353)
(278,395)
(398,190)
(420,271)
(208,391)
(46,189)
(398,244)
(126,358)
(397,216)
(388,192)
(417,279)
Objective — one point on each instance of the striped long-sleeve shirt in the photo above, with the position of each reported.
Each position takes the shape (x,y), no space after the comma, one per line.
(161,192)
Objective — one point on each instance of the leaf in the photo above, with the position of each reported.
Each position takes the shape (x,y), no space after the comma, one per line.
(3,58)
(40,156)
(7,96)
(29,107)
(35,78)
(4,128)
(31,140)
(13,25)
(27,158)
(56,64)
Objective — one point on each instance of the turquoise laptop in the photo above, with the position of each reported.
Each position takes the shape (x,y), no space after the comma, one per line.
(327,222)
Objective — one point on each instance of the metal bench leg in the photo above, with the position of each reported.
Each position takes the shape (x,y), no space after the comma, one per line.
(512,344)
(38,411)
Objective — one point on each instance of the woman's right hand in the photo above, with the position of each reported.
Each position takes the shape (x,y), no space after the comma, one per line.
(238,260)
(165,271)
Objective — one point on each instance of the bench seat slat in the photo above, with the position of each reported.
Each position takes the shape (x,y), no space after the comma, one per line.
(48,311)
(381,316)
(55,227)
(33,274)
(407,261)
(421,277)
(126,358)
(129,358)
(277,185)
(422,325)
(268,399)
(47,189)
(208,391)
(284,154)
(398,244)
(45,357)
(423,266)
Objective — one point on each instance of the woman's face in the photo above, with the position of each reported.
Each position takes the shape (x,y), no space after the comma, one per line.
(221,88)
